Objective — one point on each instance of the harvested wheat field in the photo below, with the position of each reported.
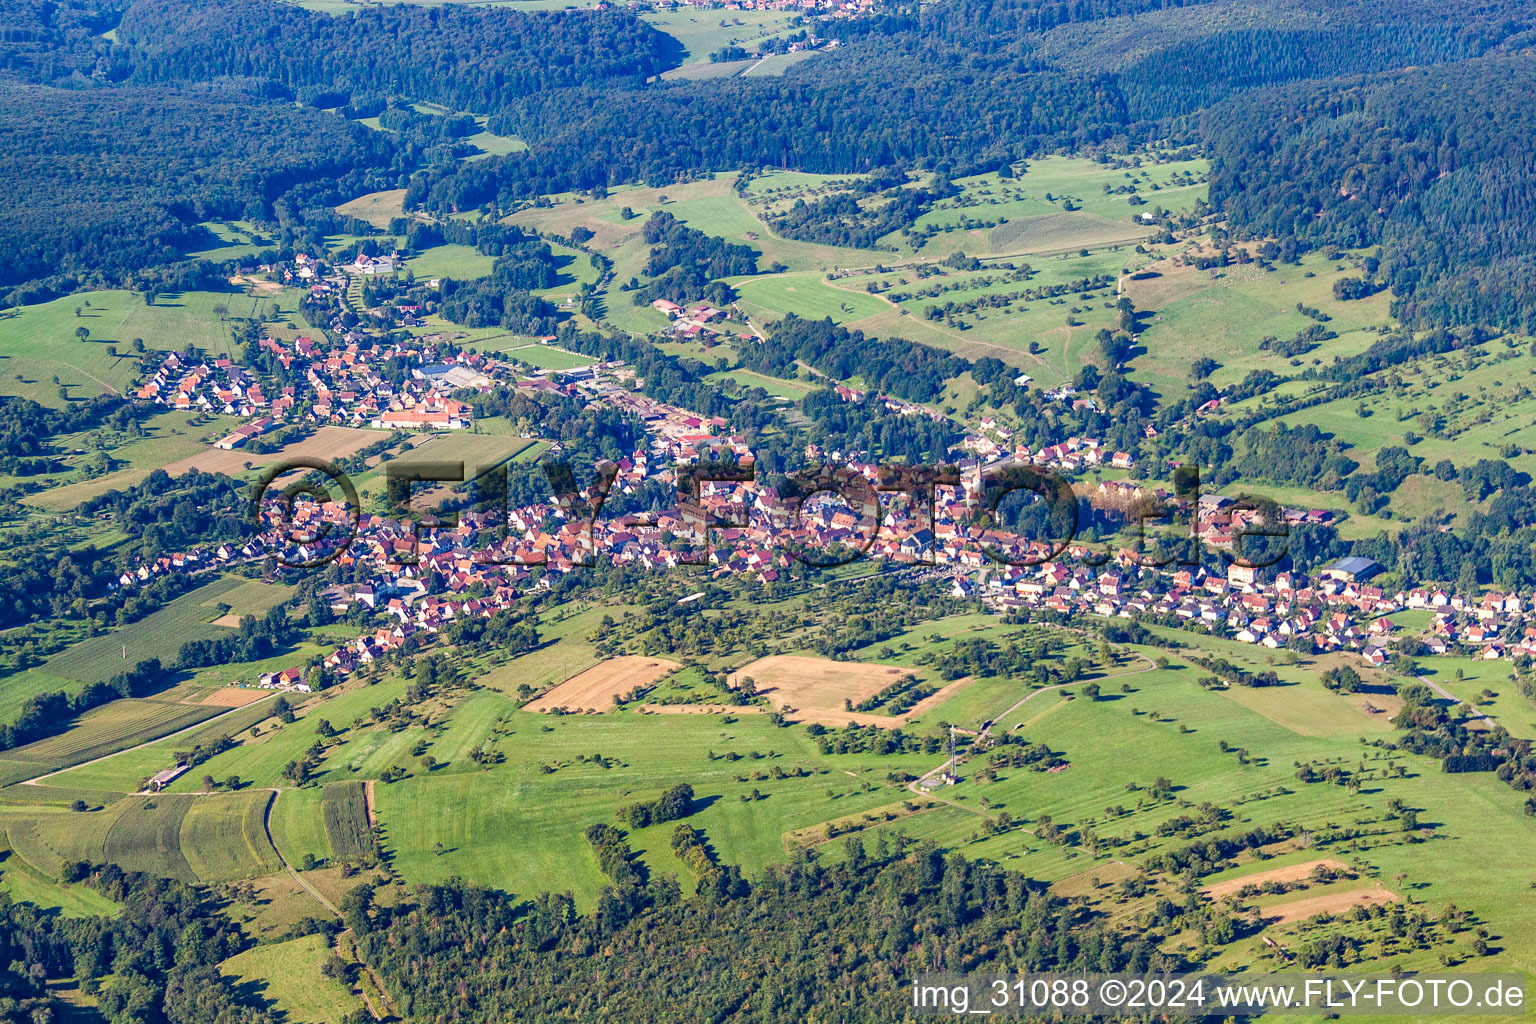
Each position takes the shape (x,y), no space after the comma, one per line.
(1332,903)
(816,688)
(329,443)
(597,687)
(1289,873)
(235,697)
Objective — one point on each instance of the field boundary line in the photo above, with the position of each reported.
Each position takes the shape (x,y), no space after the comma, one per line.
(266,824)
(916,784)
(126,750)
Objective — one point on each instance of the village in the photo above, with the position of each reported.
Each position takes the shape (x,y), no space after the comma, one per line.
(421,577)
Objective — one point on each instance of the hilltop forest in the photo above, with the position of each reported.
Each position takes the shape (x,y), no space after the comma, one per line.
(902,91)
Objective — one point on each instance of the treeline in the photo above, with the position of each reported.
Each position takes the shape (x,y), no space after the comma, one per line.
(26,426)
(615,857)
(505,297)
(1205,857)
(1429,728)
(1303,456)
(692,848)
(1432,164)
(1225,671)
(464,954)
(255,640)
(868,426)
(48,714)
(675,803)
(892,365)
(1487,548)
(686,264)
(51,578)
(844,219)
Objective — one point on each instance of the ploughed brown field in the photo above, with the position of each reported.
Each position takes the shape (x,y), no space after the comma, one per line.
(1289,873)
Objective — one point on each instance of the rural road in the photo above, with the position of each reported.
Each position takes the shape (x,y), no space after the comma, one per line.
(1455,700)
(170,735)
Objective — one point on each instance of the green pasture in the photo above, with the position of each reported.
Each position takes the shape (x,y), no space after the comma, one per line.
(40,342)
(286,976)
(702,32)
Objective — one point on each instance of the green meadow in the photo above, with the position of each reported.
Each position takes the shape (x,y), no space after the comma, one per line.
(703,32)
(1226,314)
(286,976)
(41,342)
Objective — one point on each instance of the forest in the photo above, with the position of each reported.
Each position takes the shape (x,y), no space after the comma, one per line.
(156,961)
(771,950)
(463,58)
(1405,160)
(900,93)
(103,182)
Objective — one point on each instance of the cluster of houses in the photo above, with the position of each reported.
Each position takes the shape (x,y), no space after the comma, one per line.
(826,8)
(347,384)
(212,386)
(693,321)
(423,579)
(1071,455)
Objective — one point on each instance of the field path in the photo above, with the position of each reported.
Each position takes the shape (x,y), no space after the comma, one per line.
(266,823)
(36,779)
(110,388)
(1456,701)
(916,785)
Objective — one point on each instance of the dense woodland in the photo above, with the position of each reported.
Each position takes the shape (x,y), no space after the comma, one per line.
(774,950)
(1405,160)
(902,92)
(102,183)
(464,58)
